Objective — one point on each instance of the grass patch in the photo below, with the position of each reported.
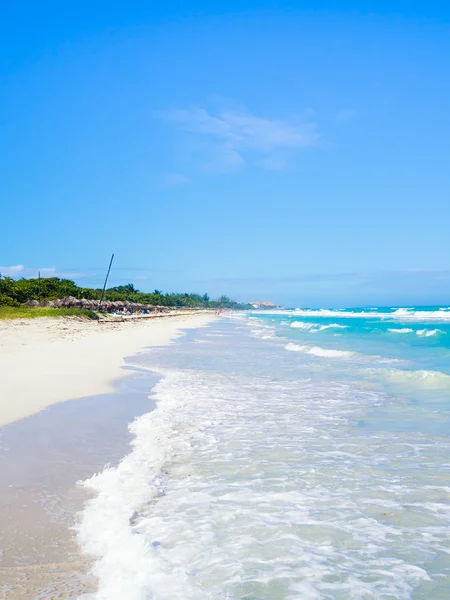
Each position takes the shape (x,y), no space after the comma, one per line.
(26,312)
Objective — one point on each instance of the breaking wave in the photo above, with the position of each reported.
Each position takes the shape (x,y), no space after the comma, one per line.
(332,326)
(401,314)
(428,332)
(318,351)
(302,325)
(419,332)
(315,327)
(422,378)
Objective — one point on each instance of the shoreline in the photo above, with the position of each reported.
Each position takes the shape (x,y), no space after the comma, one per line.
(43,458)
(44,455)
(44,361)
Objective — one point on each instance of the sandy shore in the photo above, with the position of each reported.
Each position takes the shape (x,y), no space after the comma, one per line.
(42,363)
(48,360)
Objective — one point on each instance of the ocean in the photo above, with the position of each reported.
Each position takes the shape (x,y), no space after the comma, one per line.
(292,455)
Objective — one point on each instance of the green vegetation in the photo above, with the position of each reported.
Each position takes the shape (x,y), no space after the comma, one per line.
(16,292)
(8,301)
(26,312)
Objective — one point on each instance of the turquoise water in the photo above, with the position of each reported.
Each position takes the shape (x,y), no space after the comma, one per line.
(403,351)
(292,455)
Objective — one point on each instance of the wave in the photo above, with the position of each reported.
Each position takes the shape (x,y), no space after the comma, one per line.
(422,377)
(401,314)
(329,353)
(332,326)
(315,327)
(302,325)
(419,332)
(126,565)
(407,314)
(318,351)
(428,332)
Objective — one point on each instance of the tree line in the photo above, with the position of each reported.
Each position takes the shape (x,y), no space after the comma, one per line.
(14,292)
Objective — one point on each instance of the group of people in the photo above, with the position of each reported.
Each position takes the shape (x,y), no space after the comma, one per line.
(128,311)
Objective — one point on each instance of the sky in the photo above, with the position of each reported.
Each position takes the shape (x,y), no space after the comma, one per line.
(277,151)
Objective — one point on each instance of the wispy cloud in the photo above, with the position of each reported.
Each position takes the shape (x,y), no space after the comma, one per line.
(22,271)
(233,138)
(12,271)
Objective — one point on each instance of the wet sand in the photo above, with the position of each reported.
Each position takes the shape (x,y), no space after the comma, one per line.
(41,459)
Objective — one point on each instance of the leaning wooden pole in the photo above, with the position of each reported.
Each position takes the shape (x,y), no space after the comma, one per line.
(106,278)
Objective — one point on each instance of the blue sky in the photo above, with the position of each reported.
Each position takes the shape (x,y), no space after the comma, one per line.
(259,149)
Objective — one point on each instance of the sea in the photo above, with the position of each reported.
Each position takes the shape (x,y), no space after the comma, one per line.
(292,455)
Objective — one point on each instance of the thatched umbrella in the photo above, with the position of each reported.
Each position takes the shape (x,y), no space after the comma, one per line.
(87,304)
(71,302)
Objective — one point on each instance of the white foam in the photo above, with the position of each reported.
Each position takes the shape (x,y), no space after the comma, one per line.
(422,377)
(302,325)
(402,330)
(265,333)
(401,314)
(316,327)
(240,487)
(296,347)
(428,332)
(318,351)
(332,326)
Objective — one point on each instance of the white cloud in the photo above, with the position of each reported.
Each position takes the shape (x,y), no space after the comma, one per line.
(12,271)
(30,272)
(140,277)
(232,138)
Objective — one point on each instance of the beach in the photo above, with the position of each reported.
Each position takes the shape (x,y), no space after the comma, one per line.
(273,455)
(65,407)
(48,360)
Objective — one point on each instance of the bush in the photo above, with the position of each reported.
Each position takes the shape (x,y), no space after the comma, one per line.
(8,301)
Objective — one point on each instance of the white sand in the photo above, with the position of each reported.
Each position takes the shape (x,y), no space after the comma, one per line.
(47,360)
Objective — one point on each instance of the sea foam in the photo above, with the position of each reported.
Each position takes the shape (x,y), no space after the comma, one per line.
(318,351)
(250,481)
(234,484)
(421,377)
(401,314)
(428,332)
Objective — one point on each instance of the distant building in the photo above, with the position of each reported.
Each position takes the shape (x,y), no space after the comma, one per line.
(263,305)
